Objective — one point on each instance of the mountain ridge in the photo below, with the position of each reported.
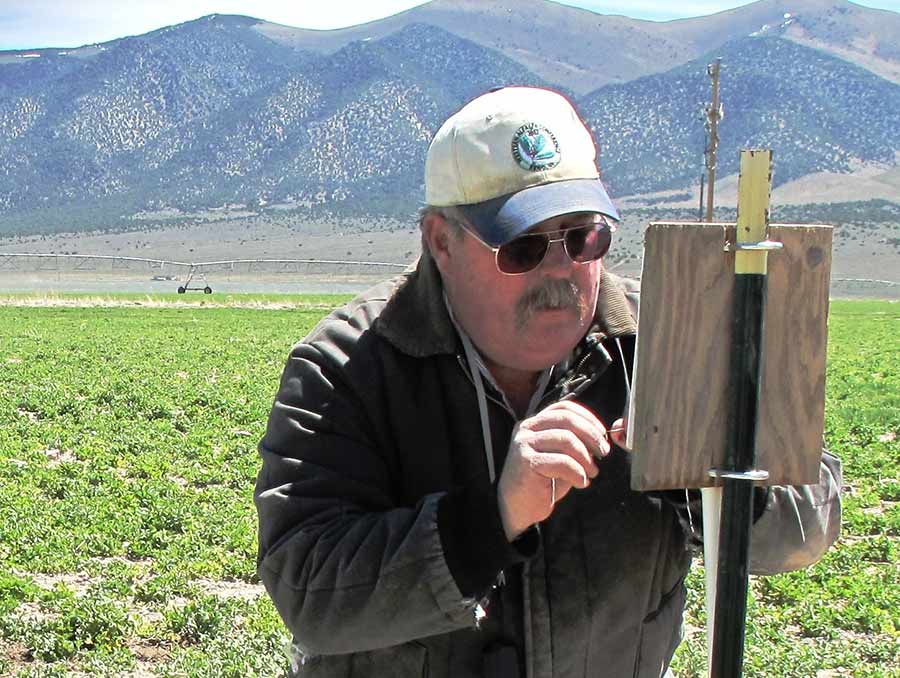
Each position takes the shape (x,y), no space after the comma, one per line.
(637,47)
(215,111)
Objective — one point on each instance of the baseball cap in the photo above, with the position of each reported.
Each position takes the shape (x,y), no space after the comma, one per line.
(512,158)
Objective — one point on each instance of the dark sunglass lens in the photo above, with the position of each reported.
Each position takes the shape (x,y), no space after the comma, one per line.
(588,243)
(522,254)
(577,239)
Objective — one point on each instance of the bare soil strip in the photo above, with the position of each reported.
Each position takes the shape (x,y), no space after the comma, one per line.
(52,301)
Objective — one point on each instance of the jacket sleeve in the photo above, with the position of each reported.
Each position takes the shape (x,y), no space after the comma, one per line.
(798,523)
(793,525)
(348,568)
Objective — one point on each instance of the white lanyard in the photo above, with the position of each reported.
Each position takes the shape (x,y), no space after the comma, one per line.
(472,359)
(479,373)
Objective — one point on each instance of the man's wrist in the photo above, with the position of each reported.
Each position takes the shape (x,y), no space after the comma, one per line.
(474,539)
(512,530)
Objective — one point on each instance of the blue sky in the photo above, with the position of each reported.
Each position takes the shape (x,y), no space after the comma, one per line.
(28,24)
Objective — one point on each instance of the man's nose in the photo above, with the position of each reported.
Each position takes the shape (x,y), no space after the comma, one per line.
(556,258)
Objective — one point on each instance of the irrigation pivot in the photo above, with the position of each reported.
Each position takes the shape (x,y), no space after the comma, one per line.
(44,262)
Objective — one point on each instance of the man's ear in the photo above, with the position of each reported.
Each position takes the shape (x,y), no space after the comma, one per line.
(437,235)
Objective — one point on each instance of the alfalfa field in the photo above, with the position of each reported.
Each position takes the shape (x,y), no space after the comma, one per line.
(128,433)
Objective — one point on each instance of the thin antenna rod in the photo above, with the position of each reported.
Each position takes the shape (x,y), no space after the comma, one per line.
(714,114)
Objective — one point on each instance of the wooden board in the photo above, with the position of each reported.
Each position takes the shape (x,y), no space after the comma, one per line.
(679,405)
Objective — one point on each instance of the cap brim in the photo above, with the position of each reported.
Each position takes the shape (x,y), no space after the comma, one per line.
(499,220)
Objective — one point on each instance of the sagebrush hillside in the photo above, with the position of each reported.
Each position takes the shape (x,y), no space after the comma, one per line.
(231,111)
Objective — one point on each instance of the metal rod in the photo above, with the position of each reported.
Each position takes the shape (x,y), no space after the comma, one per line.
(748,318)
(737,495)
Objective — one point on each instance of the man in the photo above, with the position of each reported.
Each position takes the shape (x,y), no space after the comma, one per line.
(439,493)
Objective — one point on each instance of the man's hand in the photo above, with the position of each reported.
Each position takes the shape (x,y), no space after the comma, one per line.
(618,432)
(550,453)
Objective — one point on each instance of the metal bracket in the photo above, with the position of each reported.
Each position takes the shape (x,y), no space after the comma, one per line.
(752,475)
(762,246)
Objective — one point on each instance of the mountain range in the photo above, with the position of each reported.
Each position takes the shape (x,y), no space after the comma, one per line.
(233,111)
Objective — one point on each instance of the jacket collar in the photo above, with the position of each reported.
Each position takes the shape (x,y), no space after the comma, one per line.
(416,322)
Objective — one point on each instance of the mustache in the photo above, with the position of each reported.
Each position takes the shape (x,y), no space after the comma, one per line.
(552,294)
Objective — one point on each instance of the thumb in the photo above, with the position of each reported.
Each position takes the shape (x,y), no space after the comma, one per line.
(617,434)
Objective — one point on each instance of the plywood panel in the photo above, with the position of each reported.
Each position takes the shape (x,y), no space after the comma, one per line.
(796,334)
(680,403)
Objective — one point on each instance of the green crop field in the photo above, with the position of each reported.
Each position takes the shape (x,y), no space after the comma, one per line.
(128,432)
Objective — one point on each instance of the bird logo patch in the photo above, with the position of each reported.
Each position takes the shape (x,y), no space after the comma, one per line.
(535,148)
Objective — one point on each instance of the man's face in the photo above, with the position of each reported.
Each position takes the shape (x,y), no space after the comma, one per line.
(527,321)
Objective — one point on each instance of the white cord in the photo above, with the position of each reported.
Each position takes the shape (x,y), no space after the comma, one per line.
(482,404)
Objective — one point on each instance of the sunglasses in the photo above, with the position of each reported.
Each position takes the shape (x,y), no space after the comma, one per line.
(582,243)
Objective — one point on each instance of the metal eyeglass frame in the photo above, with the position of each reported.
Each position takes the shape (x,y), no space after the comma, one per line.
(496,250)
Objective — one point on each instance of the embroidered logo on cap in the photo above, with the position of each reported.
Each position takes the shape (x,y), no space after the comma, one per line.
(535,148)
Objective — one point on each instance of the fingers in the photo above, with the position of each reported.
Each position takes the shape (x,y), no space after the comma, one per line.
(574,417)
(549,454)
(571,407)
(559,453)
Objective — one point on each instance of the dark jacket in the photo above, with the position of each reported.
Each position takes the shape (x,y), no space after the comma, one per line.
(379,529)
